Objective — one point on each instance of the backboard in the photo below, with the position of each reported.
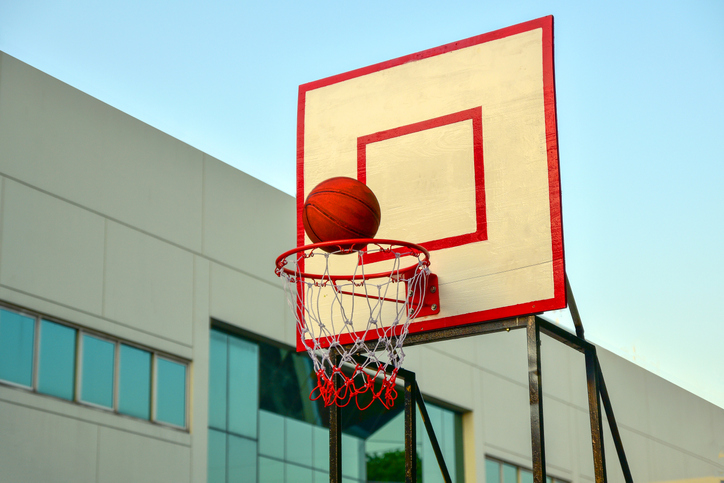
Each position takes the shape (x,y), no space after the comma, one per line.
(459,144)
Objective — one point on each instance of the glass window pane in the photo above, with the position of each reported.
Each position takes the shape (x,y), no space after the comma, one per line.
(170,392)
(56,374)
(320,436)
(448,435)
(242,460)
(353,457)
(510,474)
(271,471)
(299,442)
(443,422)
(391,435)
(17,336)
(321,476)
(492,471)
(287,379)
(271,435)
(134,385)
(298,474)
(218,358)
(243,387)
(526,476)
(97,371)
(217,457)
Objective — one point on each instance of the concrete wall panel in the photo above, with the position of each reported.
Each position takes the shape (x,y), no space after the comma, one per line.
(579,386)
(698,468)
(124,457)
(72,145)
(507,416)
(637,454)
(666,462)
(627,389)
(100,417)
(149,284)
(440,375)
(665,407)
(248,303)
(247,223)
(697,421)
(51,248)
(504,353)
(584,449)
(200,371)
(555,363)
(39,446)
(559,448)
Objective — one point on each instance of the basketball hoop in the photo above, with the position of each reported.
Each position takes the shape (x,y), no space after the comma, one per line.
(353,301)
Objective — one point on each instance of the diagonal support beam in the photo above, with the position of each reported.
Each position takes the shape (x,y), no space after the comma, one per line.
(431,434)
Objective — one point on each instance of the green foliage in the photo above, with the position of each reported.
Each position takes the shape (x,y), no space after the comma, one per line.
(390,466)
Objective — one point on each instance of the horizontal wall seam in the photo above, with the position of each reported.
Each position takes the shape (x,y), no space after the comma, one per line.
(152,235)
(109,426)
(91,314)
(580,409)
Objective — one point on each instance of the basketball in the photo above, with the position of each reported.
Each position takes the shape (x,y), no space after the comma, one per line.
(340,209)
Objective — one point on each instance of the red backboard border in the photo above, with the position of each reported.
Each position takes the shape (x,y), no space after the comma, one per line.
(558,301)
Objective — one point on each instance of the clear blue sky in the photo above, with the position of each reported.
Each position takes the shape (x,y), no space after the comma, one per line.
(640,88)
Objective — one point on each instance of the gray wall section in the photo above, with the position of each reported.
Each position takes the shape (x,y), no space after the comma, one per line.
(113,225)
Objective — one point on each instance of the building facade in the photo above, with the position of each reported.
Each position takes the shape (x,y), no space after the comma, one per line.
(145,337)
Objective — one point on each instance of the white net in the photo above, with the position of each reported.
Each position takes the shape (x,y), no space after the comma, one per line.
(353,314)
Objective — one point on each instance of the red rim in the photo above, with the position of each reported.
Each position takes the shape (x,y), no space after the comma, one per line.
(347,247)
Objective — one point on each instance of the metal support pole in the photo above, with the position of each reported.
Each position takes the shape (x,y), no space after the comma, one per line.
(410,429)
(431,434)
(335,433)
(594,410)
(536,401)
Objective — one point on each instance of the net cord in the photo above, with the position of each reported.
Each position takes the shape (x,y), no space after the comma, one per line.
(370,358)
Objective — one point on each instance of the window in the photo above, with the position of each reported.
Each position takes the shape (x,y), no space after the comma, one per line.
(97,371)
(263,426)
(71,363)
(498,471)
(171,392)
(17,342)
(233,404)
(134,386)
(56,372)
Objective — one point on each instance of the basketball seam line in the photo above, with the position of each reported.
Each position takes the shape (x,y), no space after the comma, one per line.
(338,222)
(343,193)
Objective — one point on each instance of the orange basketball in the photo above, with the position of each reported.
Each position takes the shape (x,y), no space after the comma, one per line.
(340,209)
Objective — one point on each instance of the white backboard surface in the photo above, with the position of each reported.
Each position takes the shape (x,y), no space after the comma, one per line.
(459,144)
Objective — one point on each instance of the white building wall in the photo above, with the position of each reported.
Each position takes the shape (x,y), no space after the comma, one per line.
(115,226)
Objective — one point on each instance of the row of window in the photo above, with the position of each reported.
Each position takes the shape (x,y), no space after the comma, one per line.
(497,471)
(73,364)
